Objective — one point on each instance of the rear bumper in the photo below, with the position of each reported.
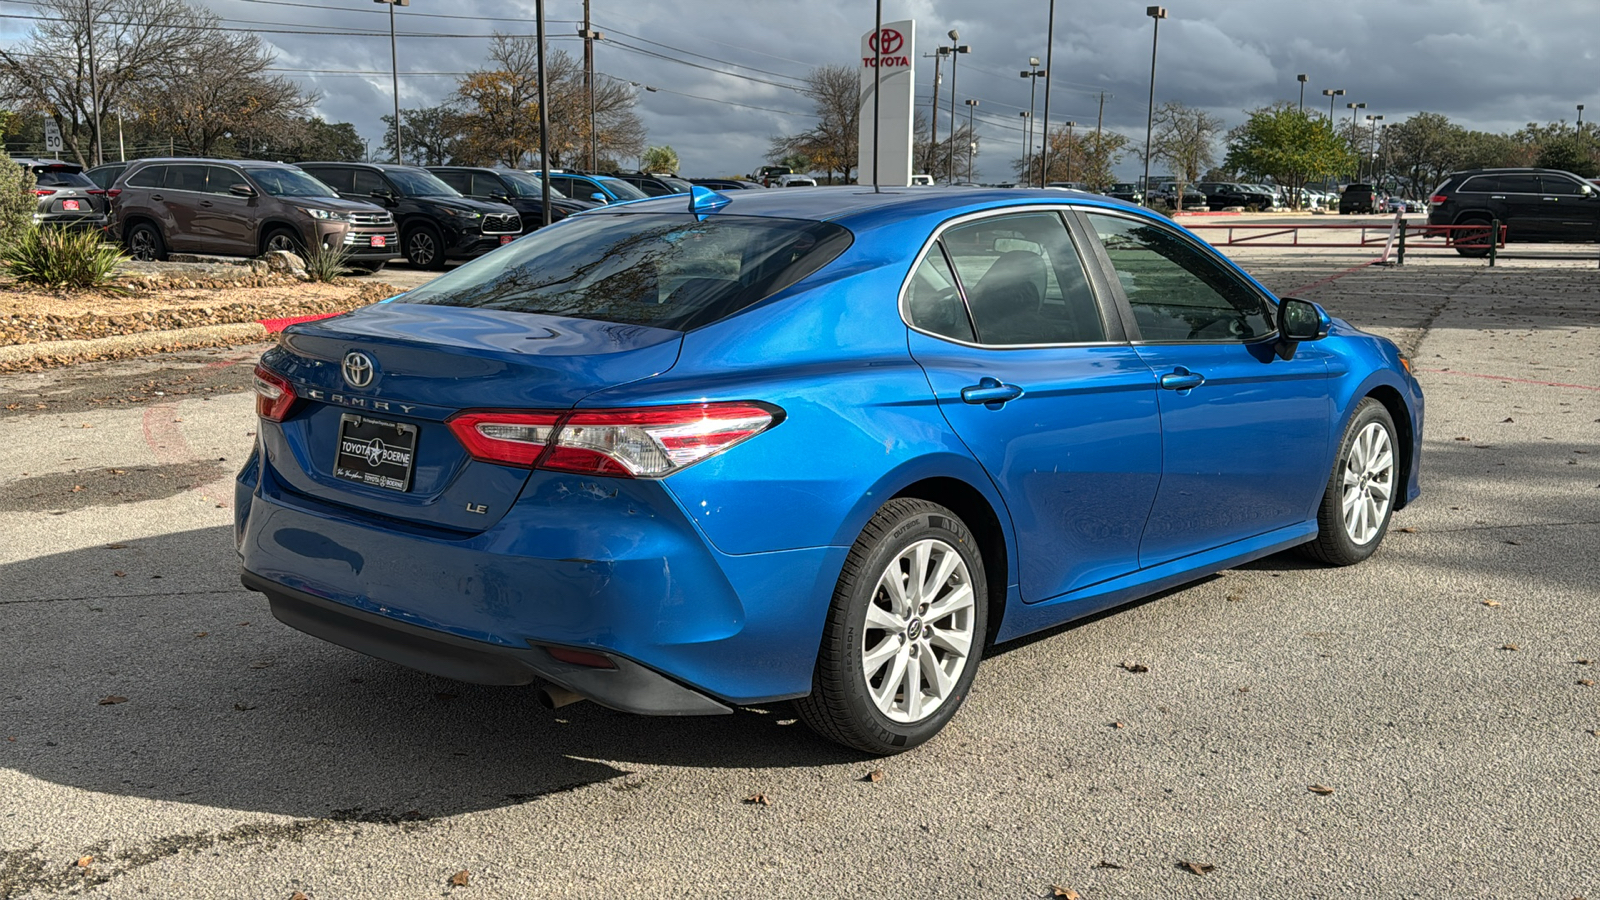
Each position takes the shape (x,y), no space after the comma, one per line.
(629,687)
(74,221)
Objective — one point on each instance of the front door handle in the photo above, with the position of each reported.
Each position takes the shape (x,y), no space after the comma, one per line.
(1181,379)
(157,197)
(206,203)
(990,392)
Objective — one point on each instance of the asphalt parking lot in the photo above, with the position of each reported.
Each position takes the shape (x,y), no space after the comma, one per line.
(1425,724)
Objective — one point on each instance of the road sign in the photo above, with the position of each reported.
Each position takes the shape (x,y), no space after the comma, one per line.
(52,136)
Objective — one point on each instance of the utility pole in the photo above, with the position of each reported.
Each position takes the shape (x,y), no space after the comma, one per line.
(589,36)
(94,80)
(544,124)
(956,48)
(933,135)
(1049,74)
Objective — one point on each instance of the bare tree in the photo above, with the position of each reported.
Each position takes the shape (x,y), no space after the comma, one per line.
(133,40)
(832,144)
(1186,139)
(1087,156)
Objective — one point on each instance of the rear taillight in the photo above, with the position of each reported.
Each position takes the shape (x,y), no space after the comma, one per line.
(274,395)
(93,191)
(113,193)
(44,192)
(626,443)
(1438,198)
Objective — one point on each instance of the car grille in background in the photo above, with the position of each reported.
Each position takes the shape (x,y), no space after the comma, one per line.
(500,223)
(364,239)
(380,218)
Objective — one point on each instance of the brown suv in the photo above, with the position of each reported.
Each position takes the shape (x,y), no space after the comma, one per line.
(245,208)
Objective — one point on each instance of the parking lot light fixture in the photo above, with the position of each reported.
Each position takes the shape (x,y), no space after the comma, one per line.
(1330,94)
(394,73)
(956,49)
(1580,116)
(1302,79)
(1157,13)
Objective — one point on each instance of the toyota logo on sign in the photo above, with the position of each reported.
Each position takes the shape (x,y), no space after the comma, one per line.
(890,40)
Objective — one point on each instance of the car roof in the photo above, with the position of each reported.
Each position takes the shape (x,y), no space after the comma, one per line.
(46,163)
(205,160)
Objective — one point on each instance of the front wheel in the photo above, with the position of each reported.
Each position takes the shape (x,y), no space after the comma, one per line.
(904,634)
(1355,510)
(424,247)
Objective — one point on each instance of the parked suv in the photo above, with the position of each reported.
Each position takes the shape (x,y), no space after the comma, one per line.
(599,188)
(436,222)
(67,199)
(1223,194)
(518,189)
(1128,191)
(1358,199)
(242,207)
(106,174)
(655,185)
(1193,197)
(1534,205)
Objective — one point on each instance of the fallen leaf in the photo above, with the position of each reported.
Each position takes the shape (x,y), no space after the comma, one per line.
(116,546)
(240,707)
(261,664)
(1235,597)
(85,861)
(1322,789)
(298,896)
(112,700)
(1196,868)
(1057,890)
(1586,682)
(1583,662)
(758,800)
(461,878)
(1117,725)
(875,776)
(1491,603)
(201,634)
(1244,690)
(1407,530)
(1463,439)
(120,574)
(1506,419)
(1135,667)
(1106,864)
(1509,647)
(1515,543)
(75,488)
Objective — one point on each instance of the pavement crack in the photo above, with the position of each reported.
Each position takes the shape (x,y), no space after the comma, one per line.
(102,598)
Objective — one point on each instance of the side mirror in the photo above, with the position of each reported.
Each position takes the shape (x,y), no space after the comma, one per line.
(599,197)
(500,198)
(1299,320)
(386,197)
(241,190)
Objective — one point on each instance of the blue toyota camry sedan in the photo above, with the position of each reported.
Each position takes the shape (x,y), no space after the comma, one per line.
(828,446)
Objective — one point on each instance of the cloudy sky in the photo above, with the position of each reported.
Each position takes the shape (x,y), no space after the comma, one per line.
(1493,64)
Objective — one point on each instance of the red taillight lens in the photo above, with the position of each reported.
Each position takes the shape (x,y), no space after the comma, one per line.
(44,192)
(113,193)
(274,394)
(623,443)
(1438,198)
(511,438)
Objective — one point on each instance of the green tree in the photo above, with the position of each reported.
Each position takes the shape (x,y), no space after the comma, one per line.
(1087,156)
(1425,148)
(1487,150)
(1186,139)
(17,202)
(659,159)
(315,139)
(1287,145)
(431,134)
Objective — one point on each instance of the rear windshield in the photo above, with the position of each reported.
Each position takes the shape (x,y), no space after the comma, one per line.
(665,270)
(61,178)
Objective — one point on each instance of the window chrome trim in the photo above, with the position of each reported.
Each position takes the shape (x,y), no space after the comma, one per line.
(934,241)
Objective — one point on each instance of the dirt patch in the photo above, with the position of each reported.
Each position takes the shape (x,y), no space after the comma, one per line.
(83,488)
(31,316)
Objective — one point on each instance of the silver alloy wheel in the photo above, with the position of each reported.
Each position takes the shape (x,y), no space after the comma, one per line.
(1368,483)
(919,631)
(422,249)
(142,245)
(282,241)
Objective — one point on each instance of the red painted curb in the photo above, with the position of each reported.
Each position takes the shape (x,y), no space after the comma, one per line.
(273,326)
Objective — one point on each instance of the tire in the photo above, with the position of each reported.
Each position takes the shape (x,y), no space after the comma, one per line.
(367,268)
(145,243)
(424,247)
(1474,237)
(872,682)
(1365,475)
(283,239)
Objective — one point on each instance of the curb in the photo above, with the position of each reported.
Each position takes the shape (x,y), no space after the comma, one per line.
(119,346)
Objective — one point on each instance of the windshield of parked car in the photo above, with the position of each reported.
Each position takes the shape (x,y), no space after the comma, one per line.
(623,190)
(288,182)
(525,185)
(419,183)
(665,270)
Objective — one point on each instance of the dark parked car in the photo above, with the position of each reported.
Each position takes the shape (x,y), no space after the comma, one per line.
(1534,205)
(1127,192)
(727,184)
(243,207)
(599,188)
(107,174)
(1359,199)
(655,185)
(67,198)
(436,222)
(1223,194)
(685,456)
(518,189)
(1193,197)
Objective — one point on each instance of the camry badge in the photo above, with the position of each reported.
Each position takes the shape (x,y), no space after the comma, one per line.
(357,369)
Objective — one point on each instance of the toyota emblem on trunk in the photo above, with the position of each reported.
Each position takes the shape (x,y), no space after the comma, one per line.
(357,369)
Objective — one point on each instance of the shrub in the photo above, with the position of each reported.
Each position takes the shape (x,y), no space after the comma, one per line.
(17,201)
(55,257)
(324,263)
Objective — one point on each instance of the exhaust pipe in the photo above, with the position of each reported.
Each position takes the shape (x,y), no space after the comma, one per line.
(554,697)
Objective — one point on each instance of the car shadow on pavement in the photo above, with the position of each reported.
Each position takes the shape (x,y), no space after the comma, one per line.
(184,688)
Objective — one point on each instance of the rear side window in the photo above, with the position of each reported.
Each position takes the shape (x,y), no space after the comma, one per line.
(933,301)
(1481,184)
(461,181)
(148,177)
(1024,281)
(367,181)
(1559,184)
(485,185)
(1519,184)
(186,178)
(665,270)
(61,178)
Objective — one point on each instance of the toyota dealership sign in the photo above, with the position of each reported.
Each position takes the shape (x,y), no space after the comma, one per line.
(895,46)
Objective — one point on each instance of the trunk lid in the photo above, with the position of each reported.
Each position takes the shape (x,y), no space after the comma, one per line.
(426,364)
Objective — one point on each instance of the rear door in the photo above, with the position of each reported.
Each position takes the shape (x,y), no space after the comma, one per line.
(1043,389)
(181,194)
(1528,215)
(1244,433)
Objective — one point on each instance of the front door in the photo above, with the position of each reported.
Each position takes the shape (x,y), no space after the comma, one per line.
(1058,409)
(224,217)
(1571,214)
(1240,427)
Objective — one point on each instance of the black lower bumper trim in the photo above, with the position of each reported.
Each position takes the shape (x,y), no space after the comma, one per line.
(630,687)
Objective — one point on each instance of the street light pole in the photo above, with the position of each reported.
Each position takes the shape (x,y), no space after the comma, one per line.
(1580,116)
(972,143)
(1032,75)
(394,73)
(544,122)
(1049,68)
(1330,95)
(1157,13)
(955,50)
(1355,135)
(1372,144)
(1070,147)
(1302,80)
(1027,157)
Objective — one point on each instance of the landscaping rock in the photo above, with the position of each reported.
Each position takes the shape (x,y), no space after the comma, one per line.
(284,262)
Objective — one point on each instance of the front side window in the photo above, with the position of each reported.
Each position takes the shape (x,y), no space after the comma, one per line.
(1560,184)
(220,180)
(367,181)
(337,178)
(420,183)
(1177,291)
(662,270)
(1024,281)
(933,302)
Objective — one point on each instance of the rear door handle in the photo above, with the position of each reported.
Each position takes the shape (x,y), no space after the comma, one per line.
(1181,379)
(990,392)
(205,202)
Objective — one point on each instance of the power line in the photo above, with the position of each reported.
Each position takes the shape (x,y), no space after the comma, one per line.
(653,88)
(703,56)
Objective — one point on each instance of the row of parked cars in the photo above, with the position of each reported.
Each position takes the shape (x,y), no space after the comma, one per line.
(377,212)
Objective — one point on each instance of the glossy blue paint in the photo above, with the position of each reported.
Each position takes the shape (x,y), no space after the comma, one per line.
(1103,485)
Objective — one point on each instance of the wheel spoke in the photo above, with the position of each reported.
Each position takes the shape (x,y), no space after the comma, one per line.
(913,688)
(878,617)
(951,640)
(885,694)
(947,565)
(1380,491)
(938,679)
(955,601)
(894,584)
(919,571)
(879,655)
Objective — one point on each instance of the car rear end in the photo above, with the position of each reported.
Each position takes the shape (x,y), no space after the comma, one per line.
(439,482)
(1444,207)
(67,198)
